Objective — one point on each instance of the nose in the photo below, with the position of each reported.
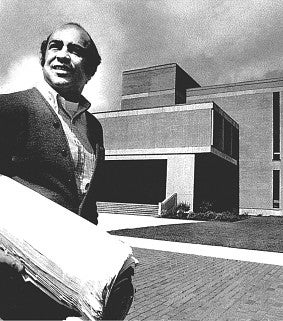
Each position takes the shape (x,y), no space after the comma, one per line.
(63,54)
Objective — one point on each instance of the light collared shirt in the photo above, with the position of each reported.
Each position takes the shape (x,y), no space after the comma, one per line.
(73,119)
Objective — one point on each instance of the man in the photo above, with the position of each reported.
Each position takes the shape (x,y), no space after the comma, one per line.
(53,145)
(49,141)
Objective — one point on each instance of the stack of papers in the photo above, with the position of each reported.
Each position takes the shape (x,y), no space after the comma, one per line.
(70,259)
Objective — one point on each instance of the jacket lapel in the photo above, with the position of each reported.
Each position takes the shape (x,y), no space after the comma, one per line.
(95,139)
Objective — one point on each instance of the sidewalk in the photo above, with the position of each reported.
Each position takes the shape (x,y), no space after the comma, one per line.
(177,281)
(111,222)
(174,286)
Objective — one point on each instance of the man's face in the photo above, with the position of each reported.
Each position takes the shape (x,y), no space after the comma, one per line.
(65,60)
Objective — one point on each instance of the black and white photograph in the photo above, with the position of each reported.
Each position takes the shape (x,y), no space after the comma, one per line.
(140,160)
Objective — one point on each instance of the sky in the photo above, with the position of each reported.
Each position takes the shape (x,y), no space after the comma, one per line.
(214,41)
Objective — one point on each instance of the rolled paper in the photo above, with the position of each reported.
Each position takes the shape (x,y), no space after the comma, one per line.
(48,239)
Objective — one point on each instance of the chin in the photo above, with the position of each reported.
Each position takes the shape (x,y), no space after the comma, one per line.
(61,83)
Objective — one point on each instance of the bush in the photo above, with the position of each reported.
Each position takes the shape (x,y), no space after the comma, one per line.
(182,211)
(226,216)
(206,216)
(165,214)
(206,206)
(179,211)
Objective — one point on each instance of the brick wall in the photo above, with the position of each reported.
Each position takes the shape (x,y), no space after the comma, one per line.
(253,112)
(158,130)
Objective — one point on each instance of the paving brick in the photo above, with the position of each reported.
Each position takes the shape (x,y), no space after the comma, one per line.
(172,286)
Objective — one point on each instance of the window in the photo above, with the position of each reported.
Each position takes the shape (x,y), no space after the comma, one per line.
(276,126)
(227,138)
(235,143)
(276,188)
(218,131)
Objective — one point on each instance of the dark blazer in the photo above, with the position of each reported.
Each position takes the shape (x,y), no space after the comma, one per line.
(34,151)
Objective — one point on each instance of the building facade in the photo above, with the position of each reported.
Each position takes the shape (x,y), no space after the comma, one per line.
(216,144)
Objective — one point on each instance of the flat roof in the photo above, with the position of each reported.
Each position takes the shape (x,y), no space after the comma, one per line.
(150,68)
(234,87)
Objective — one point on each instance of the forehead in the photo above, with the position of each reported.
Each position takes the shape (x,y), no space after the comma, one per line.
(71,34)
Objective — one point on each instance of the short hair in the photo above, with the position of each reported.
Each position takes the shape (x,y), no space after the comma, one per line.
(92,56)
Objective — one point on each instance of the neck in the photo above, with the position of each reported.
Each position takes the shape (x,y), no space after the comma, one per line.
(67,93)
(73,97)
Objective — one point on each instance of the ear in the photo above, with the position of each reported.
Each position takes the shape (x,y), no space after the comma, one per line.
(88,78)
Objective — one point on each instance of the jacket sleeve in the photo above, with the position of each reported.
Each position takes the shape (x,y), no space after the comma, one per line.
(11,132)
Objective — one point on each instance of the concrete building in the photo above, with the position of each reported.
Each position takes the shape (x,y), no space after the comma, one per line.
(255,105)
(219,144)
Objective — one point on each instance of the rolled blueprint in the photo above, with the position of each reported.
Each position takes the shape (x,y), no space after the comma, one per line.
(44,236)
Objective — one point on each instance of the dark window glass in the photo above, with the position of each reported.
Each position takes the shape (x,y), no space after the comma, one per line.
(276,188)
(227,137)
(217,131)
(276,126)
(235,143)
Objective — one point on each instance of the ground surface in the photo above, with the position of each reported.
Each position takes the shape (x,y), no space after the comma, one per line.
(174,286)
(256,233)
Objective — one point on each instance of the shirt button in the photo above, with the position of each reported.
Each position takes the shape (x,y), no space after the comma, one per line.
(56,125)
(64,152)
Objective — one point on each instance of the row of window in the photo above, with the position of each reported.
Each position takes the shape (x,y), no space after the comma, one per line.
(225,136)
(276,188)
(276,148)
(276,126)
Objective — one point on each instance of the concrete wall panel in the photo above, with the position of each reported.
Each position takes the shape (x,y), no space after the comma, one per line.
(149,79)
(159,99)
(180,177)
(253,113)
(161,130)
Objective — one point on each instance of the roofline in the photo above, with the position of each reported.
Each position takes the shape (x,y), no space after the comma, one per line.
(238,84)
(173,64)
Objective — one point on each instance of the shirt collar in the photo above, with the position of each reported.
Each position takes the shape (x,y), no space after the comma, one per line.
(52,97)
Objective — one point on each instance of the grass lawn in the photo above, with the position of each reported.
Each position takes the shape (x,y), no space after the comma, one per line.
(254,233)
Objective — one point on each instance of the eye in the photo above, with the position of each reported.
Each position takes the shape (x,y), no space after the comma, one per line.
(77,50)
(54,45)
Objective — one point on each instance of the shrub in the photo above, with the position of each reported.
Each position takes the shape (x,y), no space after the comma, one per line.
(226,216)
(180,211)
(165,214)
(207,216)
(206,206)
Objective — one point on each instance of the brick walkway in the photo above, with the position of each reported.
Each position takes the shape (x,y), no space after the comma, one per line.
(174,286)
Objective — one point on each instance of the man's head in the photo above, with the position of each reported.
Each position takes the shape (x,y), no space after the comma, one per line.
(69,59)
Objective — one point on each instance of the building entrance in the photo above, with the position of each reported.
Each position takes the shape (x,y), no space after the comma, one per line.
(134,181)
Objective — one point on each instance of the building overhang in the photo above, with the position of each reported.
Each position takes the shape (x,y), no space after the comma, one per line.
(120,153)
(155,110)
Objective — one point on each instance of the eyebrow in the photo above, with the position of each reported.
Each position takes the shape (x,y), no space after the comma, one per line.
(54,40)
(69,45)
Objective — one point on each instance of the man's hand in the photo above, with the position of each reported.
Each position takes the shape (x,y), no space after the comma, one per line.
(11,282)
(7,262)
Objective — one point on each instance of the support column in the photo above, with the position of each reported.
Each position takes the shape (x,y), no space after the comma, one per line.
(180,177)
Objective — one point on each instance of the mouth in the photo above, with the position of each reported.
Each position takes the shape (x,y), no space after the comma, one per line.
(62,68)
